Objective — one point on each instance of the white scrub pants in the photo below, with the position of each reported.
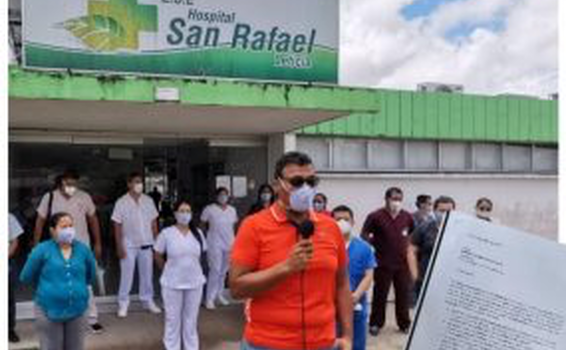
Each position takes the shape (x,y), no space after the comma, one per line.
(218,264)
(181,316)
(144,260)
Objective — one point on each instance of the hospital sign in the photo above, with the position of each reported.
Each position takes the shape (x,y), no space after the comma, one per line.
(257,39)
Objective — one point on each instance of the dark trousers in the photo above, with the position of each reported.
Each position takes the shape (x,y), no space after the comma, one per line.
(401,280)
(11,297)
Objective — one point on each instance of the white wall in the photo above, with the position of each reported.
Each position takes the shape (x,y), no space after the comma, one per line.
(526,202)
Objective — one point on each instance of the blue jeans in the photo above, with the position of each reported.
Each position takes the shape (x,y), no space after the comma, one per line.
(247,346)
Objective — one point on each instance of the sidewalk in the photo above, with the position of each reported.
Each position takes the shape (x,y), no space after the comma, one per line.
(219,330)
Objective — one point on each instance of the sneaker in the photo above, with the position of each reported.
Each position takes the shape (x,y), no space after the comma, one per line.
(122,311)
(223,301)
(374,331)
(13,337)
(152,307)
(209,305)
(96,328)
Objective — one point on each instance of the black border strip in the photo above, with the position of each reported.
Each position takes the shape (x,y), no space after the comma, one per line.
(432,265)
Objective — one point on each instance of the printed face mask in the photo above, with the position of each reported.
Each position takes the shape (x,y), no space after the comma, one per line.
(301,198)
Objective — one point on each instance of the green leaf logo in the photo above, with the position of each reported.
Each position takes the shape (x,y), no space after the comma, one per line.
(97,32)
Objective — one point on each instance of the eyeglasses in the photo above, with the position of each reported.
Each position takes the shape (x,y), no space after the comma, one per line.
(484,208)
(299,181)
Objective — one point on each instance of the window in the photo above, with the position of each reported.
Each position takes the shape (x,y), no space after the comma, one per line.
(487,157)
(545,159)
(317,148)
(517,158)
(350,154)
(422,155)
(385,154)
(455,156)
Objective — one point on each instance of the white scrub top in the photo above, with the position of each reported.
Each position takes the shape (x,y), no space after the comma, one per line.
(182,268)
(14,229)
(220,234)
(136,219)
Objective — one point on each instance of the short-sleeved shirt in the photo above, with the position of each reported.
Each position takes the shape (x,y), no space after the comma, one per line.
(61,285)
(390,237)
(136,218)
(182,269)
(274,316)
(14,229)
(79,206)
(361,258)
(220,234)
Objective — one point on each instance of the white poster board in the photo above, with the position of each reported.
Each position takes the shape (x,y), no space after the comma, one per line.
(224,181)
(491,288)
(240,186)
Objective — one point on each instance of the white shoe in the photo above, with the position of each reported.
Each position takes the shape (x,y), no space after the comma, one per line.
(209,305)
(152,307)
(223,301)
(122,311)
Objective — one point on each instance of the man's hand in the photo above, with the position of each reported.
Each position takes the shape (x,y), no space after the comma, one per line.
(343,344)
(300,256)
(98,251)
(121,252)
(355,298)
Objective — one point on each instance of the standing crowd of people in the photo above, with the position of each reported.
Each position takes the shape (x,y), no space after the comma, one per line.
(302,269)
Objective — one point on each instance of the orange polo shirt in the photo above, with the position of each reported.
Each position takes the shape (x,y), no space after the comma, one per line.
(274,316)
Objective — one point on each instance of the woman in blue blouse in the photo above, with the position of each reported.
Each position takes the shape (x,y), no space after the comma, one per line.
(60,270)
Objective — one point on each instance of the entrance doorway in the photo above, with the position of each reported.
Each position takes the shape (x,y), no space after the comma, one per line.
(174,168)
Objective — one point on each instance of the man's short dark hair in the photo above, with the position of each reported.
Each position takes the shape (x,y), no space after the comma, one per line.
(134,175)
(393,190)
(220,190)
(343,208)
(423,198)
(444,200)
(291,158)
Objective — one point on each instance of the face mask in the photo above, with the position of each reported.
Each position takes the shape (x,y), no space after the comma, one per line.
(438,216)
(345,227)
(483,214)
(318,206)
(138,188)
(300,199)
(66,235)
(222,199)
(395,205)
(70,190)
(266,197)
(183,218)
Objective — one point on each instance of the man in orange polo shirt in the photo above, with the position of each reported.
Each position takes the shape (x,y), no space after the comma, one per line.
(291,264)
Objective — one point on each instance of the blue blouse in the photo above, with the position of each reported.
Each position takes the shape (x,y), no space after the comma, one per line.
(61,285)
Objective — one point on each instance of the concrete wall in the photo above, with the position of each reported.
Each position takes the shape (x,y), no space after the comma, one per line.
(529,203)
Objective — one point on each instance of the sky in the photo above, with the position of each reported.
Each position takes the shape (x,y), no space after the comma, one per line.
(489,46)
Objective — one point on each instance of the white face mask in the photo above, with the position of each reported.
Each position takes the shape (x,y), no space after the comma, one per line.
(183,218)
(395,206)
(222,199)
(70,190)
(66,235)
(345,227)
(266,197)
(138,188)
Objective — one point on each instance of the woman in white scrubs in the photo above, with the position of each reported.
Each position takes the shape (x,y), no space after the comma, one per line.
(182,279)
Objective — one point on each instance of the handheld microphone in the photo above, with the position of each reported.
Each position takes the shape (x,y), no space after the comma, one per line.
(305,229)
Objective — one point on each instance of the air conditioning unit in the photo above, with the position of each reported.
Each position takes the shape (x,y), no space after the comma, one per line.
(440,87)
(553,96)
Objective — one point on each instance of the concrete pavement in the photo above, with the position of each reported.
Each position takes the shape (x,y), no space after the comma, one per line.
(219,330)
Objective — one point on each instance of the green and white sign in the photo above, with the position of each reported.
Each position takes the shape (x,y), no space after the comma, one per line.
(257,39)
